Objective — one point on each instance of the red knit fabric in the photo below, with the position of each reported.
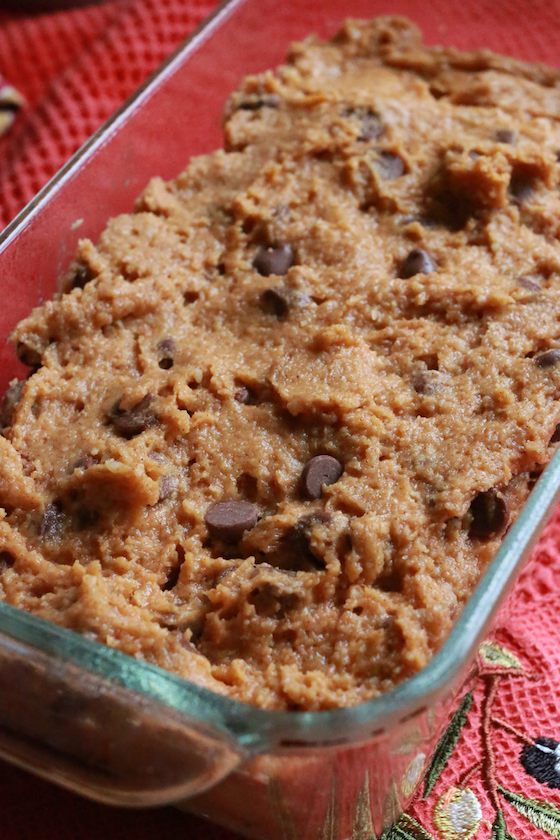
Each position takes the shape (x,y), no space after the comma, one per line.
(74,68)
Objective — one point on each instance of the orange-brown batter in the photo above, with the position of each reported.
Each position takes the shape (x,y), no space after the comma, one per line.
(284,412)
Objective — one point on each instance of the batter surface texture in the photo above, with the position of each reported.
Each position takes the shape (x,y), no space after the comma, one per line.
(282,415)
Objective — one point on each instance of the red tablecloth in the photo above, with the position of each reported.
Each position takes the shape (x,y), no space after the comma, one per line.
(500,763)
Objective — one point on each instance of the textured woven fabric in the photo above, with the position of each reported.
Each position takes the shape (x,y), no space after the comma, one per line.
(74,68)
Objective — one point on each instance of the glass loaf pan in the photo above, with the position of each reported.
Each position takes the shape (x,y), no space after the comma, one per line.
(119,730)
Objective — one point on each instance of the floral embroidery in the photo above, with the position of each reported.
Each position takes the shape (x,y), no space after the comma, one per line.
(458,814)
(541,760)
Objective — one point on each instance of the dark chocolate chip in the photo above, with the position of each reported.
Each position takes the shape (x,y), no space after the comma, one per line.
(133,421)
(371,126)
(242,395)
(28,355)
(425,382)
(166,349)
(549,358)
(81,277)
(276,302)
(417,262)
(229,520)
(271,600)
(299,539)
(167,487)
(489,515)
(556,434)
(318,472)
(9,402)
(506,135)
(52,521)
(7,560)
(175,571)
(389,165)
(258,102)
(521,188)
(529,284)
(84,462)
(276,259)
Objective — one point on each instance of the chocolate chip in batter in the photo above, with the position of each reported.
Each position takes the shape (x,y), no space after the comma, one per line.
(52,521)
(133,421)
(228,521)
(549,358)
(7,560)
(506,135)
(276,259)
(370,122)
(9,402)
(521,187)
(81,277)
(256,102)
(167,487)
(175,571)
(529,284)
(28,355)
(270,600)
(389,165)
(555,435)
(276,302)
(298,542)
(242,395)
(417,262)
(490,515)
(318,472)
(166,350)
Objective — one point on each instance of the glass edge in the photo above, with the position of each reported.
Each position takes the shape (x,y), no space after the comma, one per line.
(25,216)
(262,728)
(248,723)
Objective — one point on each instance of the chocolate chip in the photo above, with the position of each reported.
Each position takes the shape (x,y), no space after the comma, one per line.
(84,462)
(549,358)
(489,515)
(529,284)
(133,421)
(425,382)
(521,188)
(318,472)
(81,277)
(7,560)
(417,262)
(10,401)
(28,355)
(52,521)
(258,102)
(175,571)
(370,122)
(276,259)
(271,600)
(167,487)
(242,395)
(299,542)
(389,165)
(555,435)
(229,520)
(506,135)
(276,302)
(166,349)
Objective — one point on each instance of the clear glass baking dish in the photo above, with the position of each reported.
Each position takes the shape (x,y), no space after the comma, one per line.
(117,729)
